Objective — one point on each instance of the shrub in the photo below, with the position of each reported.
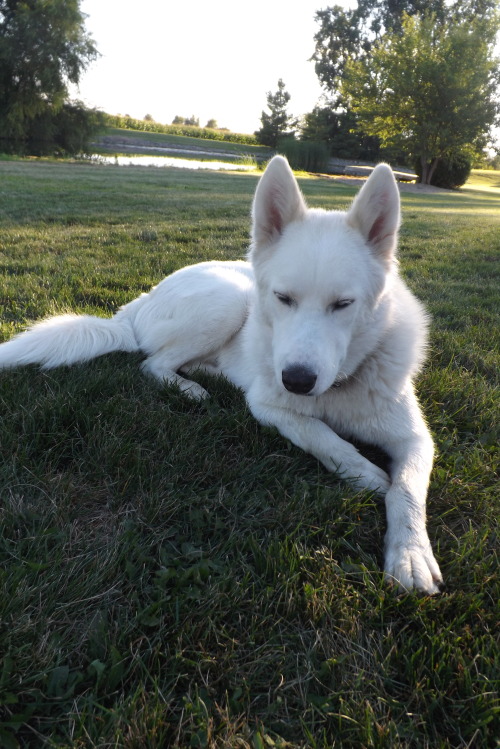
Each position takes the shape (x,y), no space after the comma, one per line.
(305,155)
(64,131)
(67,131)
(451,172)
(75,126)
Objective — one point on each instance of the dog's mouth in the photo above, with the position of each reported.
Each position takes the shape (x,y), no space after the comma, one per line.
(343,379)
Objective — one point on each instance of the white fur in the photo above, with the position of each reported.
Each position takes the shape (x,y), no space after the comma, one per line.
(320,307)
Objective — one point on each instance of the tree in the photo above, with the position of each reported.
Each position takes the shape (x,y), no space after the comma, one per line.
(277,123)
(212,124)
(338,129)
(68,130)
(43,48)
(346,35)
(429,88)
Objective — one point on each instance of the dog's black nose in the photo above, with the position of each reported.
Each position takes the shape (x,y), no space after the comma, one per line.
(298,379)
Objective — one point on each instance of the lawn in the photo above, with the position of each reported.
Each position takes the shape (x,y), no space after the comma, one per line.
(484,179)
(175,575)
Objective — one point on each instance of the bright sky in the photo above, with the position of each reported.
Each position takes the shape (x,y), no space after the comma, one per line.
(213,59)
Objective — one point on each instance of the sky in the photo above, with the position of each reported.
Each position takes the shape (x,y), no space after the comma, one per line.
(213,59)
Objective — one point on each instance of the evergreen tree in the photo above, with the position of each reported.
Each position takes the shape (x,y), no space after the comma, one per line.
(277,123)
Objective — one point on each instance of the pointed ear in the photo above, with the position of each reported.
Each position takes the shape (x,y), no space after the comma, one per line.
(277,202)
(376,213)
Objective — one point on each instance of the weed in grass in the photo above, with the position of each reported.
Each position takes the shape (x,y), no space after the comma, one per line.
(175,575)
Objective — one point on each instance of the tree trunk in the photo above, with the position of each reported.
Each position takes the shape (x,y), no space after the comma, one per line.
(424,170)
(433,169)
(428,170)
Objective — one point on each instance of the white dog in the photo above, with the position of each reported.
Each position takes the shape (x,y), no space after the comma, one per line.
(318,330)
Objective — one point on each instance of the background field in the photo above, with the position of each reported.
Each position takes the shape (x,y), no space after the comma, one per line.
(114,140)
(173,574)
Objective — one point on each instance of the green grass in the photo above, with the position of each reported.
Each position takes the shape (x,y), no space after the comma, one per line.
(484,179)
(173,574)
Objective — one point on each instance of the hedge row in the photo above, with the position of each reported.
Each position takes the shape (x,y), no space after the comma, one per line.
(129,123)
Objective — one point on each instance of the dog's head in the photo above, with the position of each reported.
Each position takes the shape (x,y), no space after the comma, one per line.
(321,276)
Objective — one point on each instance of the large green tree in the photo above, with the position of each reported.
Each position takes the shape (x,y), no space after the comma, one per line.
(345,35)
(348,34)
(428,88)
(43,48)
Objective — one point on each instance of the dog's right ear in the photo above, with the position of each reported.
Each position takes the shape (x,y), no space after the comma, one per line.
(277,202)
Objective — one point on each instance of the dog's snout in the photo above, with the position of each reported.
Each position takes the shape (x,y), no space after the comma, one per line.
(298,379)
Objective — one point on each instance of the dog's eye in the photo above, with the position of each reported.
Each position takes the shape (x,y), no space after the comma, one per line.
(284,299)
(340,304)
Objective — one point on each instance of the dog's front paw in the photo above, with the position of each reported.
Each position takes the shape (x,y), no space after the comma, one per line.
(193,391)
(379,481)
(365,475)
(371,477)
(411,566)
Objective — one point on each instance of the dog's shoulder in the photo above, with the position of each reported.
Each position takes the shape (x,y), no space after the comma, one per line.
(402,347)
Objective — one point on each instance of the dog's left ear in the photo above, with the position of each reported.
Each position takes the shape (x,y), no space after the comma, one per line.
(277,202)
(376,213)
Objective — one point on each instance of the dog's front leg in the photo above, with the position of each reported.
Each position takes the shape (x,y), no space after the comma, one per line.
(409,561)
(315,437)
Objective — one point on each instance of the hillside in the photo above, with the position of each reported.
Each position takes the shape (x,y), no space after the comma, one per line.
(121,140)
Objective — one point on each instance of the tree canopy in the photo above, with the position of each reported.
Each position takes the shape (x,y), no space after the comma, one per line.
(428,88)
(339,131)
(346,35)
(418,77)
(43,48)
(194,121)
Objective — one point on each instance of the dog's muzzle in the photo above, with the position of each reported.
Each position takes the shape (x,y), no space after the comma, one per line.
(299,380)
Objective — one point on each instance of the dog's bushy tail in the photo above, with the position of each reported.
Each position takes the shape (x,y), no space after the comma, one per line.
(68,339)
